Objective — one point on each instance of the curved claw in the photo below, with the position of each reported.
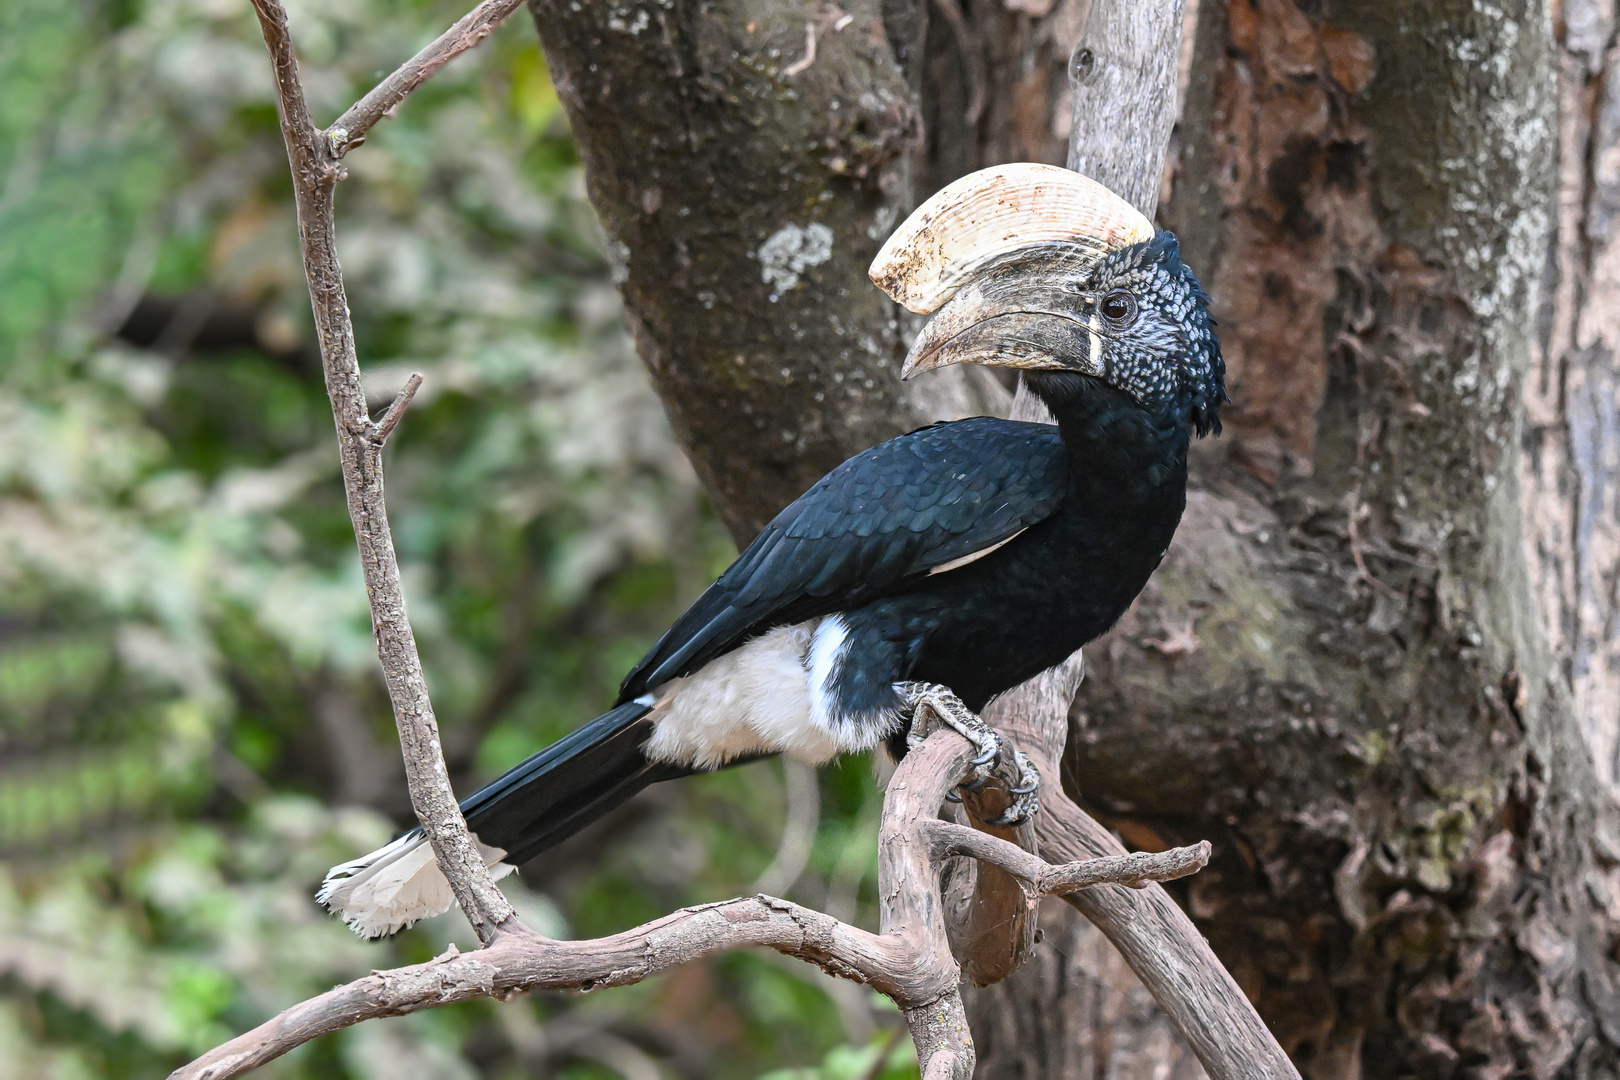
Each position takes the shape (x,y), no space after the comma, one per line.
(1016,814)
(951,796)
(1026,800)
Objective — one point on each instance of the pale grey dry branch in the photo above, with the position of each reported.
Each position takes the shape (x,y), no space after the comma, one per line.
(315,176)
(1122,77)
(909,961)
(1040,878)
(993,924)
(396,411)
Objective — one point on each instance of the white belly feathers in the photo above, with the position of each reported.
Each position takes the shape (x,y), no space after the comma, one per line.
(767,696)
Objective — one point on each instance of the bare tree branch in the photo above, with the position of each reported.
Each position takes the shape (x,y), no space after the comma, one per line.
(1124,69)
(909,960)
(1134,870)
(1156,938)
(995,924)
(315,176)
(349,131)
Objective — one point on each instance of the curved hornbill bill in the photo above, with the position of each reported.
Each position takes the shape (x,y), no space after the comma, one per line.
(942,567)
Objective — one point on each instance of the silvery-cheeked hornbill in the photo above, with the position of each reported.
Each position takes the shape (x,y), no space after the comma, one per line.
(945,566)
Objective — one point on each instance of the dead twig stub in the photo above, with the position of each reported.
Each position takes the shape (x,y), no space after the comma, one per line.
(396,411)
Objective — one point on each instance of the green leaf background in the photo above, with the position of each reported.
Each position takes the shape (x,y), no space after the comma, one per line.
(192,727)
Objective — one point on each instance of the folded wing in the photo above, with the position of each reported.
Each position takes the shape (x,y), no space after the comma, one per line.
(881,518)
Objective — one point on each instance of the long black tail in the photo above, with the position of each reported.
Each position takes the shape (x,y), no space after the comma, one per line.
(542,802)
(552,795)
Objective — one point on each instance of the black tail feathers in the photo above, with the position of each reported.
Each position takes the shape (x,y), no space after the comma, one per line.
(549,797)
(542,802)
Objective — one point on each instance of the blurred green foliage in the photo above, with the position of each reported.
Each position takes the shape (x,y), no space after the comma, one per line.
(191,724)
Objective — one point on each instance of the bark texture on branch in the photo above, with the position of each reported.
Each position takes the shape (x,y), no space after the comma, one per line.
(744,185)
(1122,80)
(1075,1011)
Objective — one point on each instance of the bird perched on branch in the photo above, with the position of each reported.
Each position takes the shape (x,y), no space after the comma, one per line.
(940,568)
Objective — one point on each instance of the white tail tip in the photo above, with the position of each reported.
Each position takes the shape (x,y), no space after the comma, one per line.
(394,886)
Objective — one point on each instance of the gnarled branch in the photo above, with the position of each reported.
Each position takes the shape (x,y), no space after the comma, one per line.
(909,960)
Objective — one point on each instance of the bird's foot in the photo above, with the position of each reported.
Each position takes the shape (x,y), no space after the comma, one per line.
(988,743)
(1026,794)
(960,719)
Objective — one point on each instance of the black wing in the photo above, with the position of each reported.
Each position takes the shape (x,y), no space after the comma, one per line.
(897,510)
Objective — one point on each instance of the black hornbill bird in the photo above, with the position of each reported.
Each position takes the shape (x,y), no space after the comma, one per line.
(944,566)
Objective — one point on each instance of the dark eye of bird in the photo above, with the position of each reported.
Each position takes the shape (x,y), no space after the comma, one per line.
(1118,307)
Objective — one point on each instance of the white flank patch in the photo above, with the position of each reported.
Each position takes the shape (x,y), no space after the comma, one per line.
(847,731)
(763,697)
(826,653)
(394,886)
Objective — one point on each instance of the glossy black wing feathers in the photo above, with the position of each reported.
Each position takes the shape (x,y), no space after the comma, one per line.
(893,512)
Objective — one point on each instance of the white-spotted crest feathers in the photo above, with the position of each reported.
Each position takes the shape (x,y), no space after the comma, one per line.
(394,886)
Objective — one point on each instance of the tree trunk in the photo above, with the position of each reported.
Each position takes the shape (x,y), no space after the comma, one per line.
(1376,664)
(745,179)
(1344,671)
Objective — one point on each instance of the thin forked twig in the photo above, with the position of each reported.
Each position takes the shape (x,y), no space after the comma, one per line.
(315,176)
(349,131)
(1134,870)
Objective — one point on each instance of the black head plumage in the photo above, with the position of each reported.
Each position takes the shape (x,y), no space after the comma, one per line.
(1159,344)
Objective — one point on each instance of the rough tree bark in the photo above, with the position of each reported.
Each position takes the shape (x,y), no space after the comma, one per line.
(1379,659)
(1348,651)
(747,158)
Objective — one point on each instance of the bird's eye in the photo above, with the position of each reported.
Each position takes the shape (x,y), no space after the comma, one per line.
(1118,308)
